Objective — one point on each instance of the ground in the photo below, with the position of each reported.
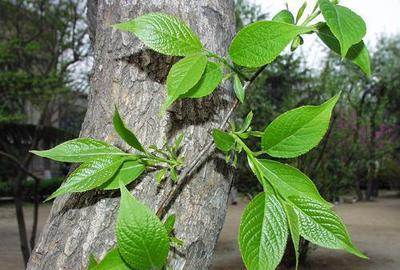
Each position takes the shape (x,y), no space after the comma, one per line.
(374,227)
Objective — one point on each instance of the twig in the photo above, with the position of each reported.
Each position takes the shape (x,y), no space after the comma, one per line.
(203,155)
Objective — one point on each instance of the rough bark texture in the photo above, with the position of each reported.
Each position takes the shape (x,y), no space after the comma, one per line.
(132,77)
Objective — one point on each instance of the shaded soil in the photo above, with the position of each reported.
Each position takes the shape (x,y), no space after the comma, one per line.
(374,226)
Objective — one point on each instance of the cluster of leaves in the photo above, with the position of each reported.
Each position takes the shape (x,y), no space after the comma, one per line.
(106,167)
(290,202)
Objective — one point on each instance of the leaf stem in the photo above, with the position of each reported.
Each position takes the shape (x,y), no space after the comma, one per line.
(202,155)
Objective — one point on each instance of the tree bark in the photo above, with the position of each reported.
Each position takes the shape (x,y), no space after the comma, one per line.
(132,77)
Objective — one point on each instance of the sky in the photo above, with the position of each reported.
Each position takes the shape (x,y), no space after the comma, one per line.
(380,16)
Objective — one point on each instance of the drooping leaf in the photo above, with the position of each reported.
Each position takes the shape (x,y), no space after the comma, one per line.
(261,42)
(247,122)
(357,53)
(163,33)
(184,75)
(125,133)
(289,180)
(284,16)
(209,81)
(223,140)
(141,237)
(263,233)
(293,222)
(170,223)
(322,226)
(298,131)
(238,88)
(79,150)
(347,26)
(112,261)
(90,175)
(127,173)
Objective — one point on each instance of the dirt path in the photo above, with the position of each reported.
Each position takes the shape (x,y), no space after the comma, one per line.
(375,227)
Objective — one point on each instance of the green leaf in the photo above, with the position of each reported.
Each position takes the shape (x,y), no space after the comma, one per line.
(347,26)
(297,41)
(294,229)
(160,175)
(209,81)
(92,262)
(322,226)
(246,122)
(163,33)
(112,261)
(90,175)
(300,12)
(358,53)
(170,223)
(261,42)
(125,133)
(298,131)
(263,233)
(79,150)
(289,181)
(238,87)
(223,140)
(184,75)
(141,237)
(284,16)
(129,172)
(173,174)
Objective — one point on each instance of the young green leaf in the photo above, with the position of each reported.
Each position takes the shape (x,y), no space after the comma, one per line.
(170,223)
(90,175)
(284,16)
(209,81)
(129,172)
(297,41)
(357,53)
(112,261)
(163,33)
(322,226)
(298,131)
(300,12)
(173,174)
(261,42)
(79,150)
(238,87)
(289,180)
(184,75)
(160,175)
(141,237)
(223,140)
(246,122)
(347,26)
(263,233)
(125,133)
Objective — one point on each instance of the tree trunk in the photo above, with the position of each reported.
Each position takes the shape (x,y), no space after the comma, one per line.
(132,77)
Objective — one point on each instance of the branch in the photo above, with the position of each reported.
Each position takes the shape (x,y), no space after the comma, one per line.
(15,160)
(203,155)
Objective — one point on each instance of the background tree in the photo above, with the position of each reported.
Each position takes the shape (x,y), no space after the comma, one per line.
(41,43)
